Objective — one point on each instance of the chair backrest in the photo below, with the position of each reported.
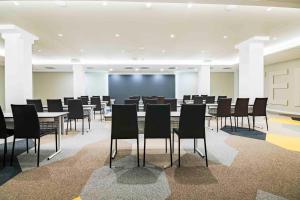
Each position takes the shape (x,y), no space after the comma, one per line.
(75,109)
(192,121)
(2,124)
(149,101)
(26,121)
(173,103)
(37,103)
(193,96)
(198,100)
(84,99)
(54,105)
(106,98)
(66,99)
(132,102)
(96,100)
(260,106)
(210,99)
(241,107)
(204,96)
(224,107)
(124,123)
(158,121)
(186,97)
(135,97)
(160,100)
(221,97)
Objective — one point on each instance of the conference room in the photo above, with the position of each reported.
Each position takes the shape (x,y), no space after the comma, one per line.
(162,99)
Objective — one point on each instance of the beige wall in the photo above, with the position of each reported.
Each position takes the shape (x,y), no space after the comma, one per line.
(2,92)
(282,85)
(47,85)
(222,84)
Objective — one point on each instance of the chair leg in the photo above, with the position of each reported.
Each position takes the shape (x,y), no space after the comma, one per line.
(89,120)
(56,147)
(82,126)
(116,145)
(205,152)
(253,122)
(231,124)
(178,152)
(217,124)
(144,152)
(70,124)
(38,156)
(138,153)
(234,123)
(75,124)
(267,123)
(27,145)
(221,122)
(4,151)
(248,123)
(242,121)
(12,152)
(110,153)
(67,127)
(166,145)
(225,121)
(94,114)
(34,145)
(171,153)
(194,145)
(173,142)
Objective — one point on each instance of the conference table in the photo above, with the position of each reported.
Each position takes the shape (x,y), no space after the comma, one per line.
(175,116)
(44,116)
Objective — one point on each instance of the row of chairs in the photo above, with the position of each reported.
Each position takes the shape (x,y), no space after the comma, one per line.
(172,102)
(85,99)
(26,126)
(241,109)
(158,126)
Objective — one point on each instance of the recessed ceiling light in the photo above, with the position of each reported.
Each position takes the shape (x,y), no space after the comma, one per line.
(172,36)
(60,3)
(225,36)
(137,69)
(104,3)
(231,7)
(110,69)
(60,35)
(162,70)
(142,48)
(190,5)
(39,50)
(269,9)
(117,35)
(16,3)
(148,5)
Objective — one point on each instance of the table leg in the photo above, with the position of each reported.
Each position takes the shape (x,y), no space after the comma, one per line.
(59,129)
(198,150)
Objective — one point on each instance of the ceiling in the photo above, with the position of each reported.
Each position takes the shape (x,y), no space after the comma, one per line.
(121,34)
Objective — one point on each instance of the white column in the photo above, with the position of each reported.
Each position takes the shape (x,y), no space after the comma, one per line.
(18,64)
(79,81)
(251,67)
(204,80)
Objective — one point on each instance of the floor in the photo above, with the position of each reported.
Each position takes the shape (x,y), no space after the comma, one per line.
(242,165)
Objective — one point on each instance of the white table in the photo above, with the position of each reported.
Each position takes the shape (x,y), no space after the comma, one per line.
(49,115)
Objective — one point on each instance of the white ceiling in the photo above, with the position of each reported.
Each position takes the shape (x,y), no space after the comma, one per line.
(89,31)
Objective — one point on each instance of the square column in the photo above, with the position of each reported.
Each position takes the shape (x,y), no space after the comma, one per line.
(79,81)
(204,80)
(18,64)
(251,68)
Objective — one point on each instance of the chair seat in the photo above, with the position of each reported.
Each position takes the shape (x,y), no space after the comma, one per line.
(9,132)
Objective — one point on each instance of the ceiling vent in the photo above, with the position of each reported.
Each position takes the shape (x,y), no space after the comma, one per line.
(128,67)
(50,67)
(144,67)
(172,68)
(227,68)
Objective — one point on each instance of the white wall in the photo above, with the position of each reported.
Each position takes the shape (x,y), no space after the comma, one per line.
(97,83)
(282,85)
(2,88)
(186,83)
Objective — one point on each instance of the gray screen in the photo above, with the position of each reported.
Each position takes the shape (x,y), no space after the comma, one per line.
(123,86)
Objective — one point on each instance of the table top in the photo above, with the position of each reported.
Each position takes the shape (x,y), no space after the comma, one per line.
(41,114)
(84,106)
(143,114)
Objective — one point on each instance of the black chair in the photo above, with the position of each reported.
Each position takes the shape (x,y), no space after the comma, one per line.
(135,97)
(54,105)
(27,126)
(260,110)
(84,99)
(37,103)
(161,100)
(95,100)
(194,96)
(198,100)
(210,99)
(186,97)
(4,134)
(222,97)
(204,96)
(191,126)
(241,110)
(149,101)
(224,110)
(173,103)
(107,99)
(66,99)
(132,101)
(157,125)
(124,125)
(75,110)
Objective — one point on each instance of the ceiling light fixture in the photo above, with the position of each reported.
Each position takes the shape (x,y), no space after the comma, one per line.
(16,3)
(172,36)
(39,50)
(269,9)
(111,69)
(137,69)
(163,51)
(148,5)
(104,3)
(60,3)
(225,36)
(117,35)
(142,48)
(190,5)
(231,7)
(60,35)
(162,70)
(82,50)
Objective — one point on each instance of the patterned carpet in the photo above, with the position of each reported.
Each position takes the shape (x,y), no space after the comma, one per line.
(240,167)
